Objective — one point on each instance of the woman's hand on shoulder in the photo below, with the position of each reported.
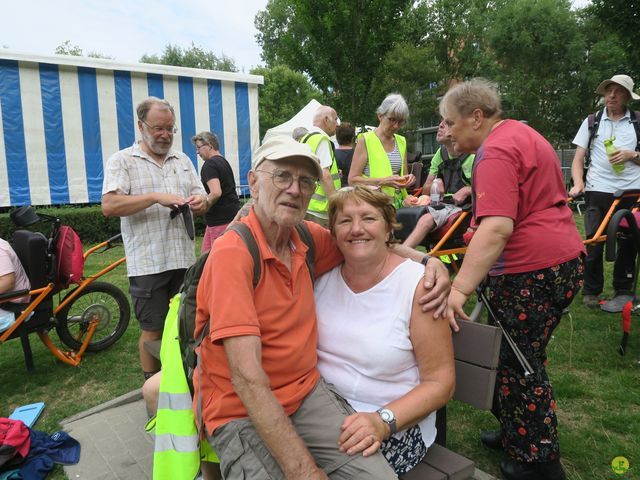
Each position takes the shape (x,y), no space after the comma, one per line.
(436,282)
(362,432)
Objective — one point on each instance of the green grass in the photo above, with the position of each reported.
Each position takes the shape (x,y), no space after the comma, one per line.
(597,390)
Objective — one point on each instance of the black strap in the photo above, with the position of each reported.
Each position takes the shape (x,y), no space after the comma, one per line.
(593,121)
(306,137)
(634,118)
(247,237)
(250,241)
(305,236)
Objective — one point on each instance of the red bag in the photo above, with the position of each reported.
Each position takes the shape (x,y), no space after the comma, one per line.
(15,442)
(70,262)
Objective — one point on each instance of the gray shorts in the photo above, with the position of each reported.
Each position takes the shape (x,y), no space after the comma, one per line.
(441,215)
(151,294)
(243,454)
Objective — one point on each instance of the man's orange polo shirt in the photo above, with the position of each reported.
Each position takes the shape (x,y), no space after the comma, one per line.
(281,311)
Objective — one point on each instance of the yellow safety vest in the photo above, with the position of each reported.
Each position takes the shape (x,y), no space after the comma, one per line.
(319,201)
(379,165)
(177,452)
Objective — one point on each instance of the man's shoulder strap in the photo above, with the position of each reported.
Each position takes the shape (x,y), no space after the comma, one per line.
(247,237)
(307,238)
(250,241)
(305,138)
(444,154)
(634,118)
(593,120)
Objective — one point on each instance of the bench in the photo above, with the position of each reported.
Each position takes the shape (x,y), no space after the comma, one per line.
(476,348)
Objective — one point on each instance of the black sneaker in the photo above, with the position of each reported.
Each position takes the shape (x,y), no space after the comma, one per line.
(513,470)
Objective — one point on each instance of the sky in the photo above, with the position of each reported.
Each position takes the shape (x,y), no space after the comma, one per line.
(127,29)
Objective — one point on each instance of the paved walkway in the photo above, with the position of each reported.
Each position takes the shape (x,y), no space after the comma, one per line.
(115,445)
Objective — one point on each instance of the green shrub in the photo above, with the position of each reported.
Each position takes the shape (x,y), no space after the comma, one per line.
(87,221)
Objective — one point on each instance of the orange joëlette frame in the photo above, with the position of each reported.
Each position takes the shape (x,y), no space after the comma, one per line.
(598,237)
(70,357)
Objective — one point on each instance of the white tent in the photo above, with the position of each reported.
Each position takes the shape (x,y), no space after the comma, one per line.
(304,118)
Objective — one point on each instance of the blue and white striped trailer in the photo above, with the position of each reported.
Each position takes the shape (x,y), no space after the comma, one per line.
(62,117)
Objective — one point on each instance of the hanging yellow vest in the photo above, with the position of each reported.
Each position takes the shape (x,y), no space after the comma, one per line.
(177,452)
(379,165)
(319,201)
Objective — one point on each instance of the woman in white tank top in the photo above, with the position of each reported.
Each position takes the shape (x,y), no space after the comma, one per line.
(392,362)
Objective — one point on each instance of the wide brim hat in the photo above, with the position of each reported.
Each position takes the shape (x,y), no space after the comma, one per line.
(625,81)
(283,147)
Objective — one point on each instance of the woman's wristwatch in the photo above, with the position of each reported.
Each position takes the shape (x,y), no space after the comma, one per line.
(389,418)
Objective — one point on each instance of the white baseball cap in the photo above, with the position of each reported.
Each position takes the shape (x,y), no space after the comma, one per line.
(283,147)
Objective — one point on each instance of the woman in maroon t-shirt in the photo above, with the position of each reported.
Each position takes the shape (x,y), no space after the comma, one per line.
(528,245)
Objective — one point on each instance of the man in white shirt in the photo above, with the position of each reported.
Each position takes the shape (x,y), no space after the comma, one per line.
(606,175)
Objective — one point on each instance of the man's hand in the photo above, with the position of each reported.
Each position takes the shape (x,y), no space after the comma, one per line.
(621,156)
(577,189)
(455,305)
(169,200)
(436,282)
(198,204)
(362,432)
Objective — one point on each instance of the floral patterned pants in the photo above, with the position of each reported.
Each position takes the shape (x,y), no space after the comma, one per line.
(529,306)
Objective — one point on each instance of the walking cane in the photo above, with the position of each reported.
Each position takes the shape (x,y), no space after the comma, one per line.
(526,366)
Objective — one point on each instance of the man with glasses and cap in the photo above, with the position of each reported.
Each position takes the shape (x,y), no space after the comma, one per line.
(266,411)
(154,190)
(609,170)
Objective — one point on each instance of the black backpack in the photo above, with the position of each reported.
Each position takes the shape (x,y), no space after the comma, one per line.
(187,309)
(451,172)
(593,122)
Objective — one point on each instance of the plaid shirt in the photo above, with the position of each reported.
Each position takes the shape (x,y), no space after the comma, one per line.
(153,242)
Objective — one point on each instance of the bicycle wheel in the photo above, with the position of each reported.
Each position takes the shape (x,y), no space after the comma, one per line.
(102,301)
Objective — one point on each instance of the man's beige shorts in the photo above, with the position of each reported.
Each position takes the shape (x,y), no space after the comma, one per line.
(243,455)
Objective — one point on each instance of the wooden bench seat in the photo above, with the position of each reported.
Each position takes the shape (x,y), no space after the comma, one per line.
(476,350)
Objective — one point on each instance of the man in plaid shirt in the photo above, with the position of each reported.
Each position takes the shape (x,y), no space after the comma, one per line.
(154,189)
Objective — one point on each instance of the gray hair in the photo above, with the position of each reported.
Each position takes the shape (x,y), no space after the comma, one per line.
(298,133)
(394,104)
(144,106)
(465,97)
(207,138)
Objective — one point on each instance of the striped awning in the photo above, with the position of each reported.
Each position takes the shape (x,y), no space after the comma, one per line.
(62,117)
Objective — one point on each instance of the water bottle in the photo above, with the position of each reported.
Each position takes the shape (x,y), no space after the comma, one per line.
(435,192)
(609,147)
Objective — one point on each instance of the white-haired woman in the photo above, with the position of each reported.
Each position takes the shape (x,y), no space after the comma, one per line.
(380,156)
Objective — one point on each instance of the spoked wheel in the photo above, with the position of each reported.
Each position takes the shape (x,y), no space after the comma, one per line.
(101,301)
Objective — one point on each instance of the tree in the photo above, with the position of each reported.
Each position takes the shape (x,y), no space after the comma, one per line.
(283,94)
(340,46)
(621,19)
(539,51)
(193,57)
(66,48)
